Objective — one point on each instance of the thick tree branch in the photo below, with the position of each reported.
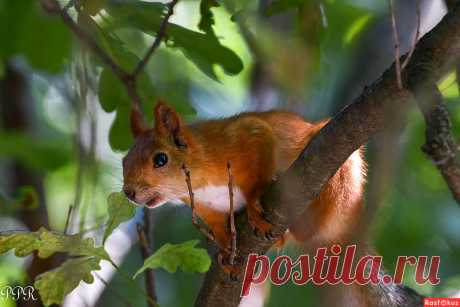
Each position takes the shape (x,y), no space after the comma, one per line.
(433,56)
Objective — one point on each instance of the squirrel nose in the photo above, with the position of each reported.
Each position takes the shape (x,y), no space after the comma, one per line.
(130,193)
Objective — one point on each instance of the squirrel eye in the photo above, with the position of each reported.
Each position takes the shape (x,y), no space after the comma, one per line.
(160,159)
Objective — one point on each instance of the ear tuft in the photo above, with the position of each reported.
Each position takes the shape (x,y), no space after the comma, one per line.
(168,123)
(166,118)
(137,122)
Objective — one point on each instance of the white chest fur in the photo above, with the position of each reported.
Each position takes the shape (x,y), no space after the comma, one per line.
(217,197)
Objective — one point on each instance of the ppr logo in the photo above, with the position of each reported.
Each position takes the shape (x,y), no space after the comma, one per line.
(18,293)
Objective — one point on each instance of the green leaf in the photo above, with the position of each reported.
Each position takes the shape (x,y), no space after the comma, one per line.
(172,256)
(12,271)
(112,92)
(45,49)
(345,23)
(356,27)
(449,86)
(112,45)
(120,137)
(47,243)
(202,49)
(74,245)
(207,17)
(23,243)
(54,285)
(120,210)
(146,90)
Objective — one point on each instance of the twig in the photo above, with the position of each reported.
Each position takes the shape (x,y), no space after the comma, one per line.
(146,240)
(106,284)
(232,214)
(160,35)
(128,278)
(323,15)
(52,7)
(67,221)
(80,101)
(246,33)
(195,221)
(416,36)
(396,42)
(149,276)
(208,234)
(129,80)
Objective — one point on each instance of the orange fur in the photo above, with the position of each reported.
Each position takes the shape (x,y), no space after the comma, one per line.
(258,145)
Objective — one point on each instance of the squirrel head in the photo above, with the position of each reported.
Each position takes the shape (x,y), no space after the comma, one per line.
(153,168)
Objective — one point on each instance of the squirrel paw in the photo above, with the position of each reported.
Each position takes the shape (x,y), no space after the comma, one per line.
(231,269)
(261,227)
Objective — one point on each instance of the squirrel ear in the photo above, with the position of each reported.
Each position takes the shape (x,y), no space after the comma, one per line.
(168,123)
(137,122)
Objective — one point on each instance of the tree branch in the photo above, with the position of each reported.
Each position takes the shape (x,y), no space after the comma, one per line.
(433,56)
(396,42)
(69,214)
(130,83)
(232,214)
(145,253)
(53,7)
(128,79)
(416,35)
(158,38)
(195,220)
(440,145)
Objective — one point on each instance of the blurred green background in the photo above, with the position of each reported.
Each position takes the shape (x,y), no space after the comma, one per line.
(64,119)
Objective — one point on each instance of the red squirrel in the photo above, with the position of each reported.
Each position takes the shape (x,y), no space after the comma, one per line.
(258,145)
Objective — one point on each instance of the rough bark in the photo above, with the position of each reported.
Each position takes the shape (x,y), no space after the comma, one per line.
(440,145)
